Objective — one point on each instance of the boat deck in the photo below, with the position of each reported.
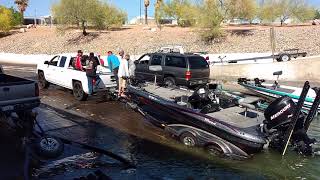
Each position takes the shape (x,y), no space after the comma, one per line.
(167,93)
(235,116)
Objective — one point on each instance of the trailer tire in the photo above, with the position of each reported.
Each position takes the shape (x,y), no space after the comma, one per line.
(49,147)
(214,149)
(188,139)
(284,58)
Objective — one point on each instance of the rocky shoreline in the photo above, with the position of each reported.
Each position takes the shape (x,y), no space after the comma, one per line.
(138,40)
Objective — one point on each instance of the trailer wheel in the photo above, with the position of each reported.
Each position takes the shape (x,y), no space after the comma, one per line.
(78,92)
(188,139)
(284,58)
(214,150)
(49,147)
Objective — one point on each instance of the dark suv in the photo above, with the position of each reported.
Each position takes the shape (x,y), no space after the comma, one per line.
(177,69)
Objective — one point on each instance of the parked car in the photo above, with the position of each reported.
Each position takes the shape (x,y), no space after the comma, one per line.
(176,69)
(60,71)
(1,70)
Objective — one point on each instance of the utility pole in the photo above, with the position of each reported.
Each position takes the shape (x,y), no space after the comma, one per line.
(35,17)
(140,13)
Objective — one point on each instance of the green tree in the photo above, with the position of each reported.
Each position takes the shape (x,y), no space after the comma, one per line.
(22,6)
(16,17)
(184,11)
(113,16)
(159,12)
(87,12)
(5,19)
(210,18)
(285,9)
(317,14)
(245,9)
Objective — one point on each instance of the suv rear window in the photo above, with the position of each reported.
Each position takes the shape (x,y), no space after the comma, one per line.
(174,61)
(197,63)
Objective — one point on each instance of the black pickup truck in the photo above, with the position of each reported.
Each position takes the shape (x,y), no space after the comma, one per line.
(18,99)
(17,94)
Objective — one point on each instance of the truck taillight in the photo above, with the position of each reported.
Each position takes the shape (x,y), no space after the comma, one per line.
(188,75)
(36,89)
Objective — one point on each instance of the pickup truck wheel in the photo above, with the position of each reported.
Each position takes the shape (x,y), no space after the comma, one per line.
(43,83)
(78,92)
(169,82)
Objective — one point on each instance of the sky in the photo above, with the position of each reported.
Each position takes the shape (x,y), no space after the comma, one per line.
(42,7)
(132,7)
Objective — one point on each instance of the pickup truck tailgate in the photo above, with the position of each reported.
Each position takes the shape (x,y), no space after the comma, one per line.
(108,79)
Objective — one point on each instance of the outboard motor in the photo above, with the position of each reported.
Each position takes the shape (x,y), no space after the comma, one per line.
(279,112)
(279,117)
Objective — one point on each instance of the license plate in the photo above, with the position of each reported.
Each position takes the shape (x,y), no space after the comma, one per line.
(7,108)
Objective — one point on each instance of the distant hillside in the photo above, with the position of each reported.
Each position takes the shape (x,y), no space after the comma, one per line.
(136,40)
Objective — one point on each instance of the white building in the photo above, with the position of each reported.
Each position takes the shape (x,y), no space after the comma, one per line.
(140,20)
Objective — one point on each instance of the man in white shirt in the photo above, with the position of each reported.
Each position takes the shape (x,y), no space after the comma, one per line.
(120,54)
(123,73)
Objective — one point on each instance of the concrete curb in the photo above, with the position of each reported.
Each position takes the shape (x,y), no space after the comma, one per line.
(302,69)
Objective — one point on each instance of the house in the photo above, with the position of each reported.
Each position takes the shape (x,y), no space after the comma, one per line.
(151,20)
(41,20)
(141,19)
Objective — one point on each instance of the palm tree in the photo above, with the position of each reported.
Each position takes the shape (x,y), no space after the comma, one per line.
(22,6)
(157,15)
(146,4)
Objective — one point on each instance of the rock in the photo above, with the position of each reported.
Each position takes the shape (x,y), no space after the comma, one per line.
(29,26)
(22,30)
(146,28)
(153,29)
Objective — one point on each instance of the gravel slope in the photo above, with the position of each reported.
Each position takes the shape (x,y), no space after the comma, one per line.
(135,40)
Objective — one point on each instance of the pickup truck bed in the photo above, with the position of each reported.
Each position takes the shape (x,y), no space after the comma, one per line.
(17,94)
(7,80)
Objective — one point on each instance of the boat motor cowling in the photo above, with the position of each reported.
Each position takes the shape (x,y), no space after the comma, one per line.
(279,112)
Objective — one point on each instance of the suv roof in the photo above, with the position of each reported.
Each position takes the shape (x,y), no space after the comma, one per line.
(177,54)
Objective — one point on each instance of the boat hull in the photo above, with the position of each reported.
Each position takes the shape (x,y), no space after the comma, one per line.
(274,94)
(172,116)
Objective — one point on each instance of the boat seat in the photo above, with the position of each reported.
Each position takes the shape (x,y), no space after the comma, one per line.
(277,73)
(246,105)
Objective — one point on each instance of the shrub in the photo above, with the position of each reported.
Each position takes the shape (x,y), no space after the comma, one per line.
(5,19)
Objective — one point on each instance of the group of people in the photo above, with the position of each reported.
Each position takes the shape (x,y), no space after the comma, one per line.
(120,65)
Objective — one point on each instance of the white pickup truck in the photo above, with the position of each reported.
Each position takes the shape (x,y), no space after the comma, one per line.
(60,71)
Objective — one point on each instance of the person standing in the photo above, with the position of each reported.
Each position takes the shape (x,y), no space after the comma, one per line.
(132,67)
(91,72)
(101,60)
(123,74)
(113,63)
(78,64)
(120,54)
